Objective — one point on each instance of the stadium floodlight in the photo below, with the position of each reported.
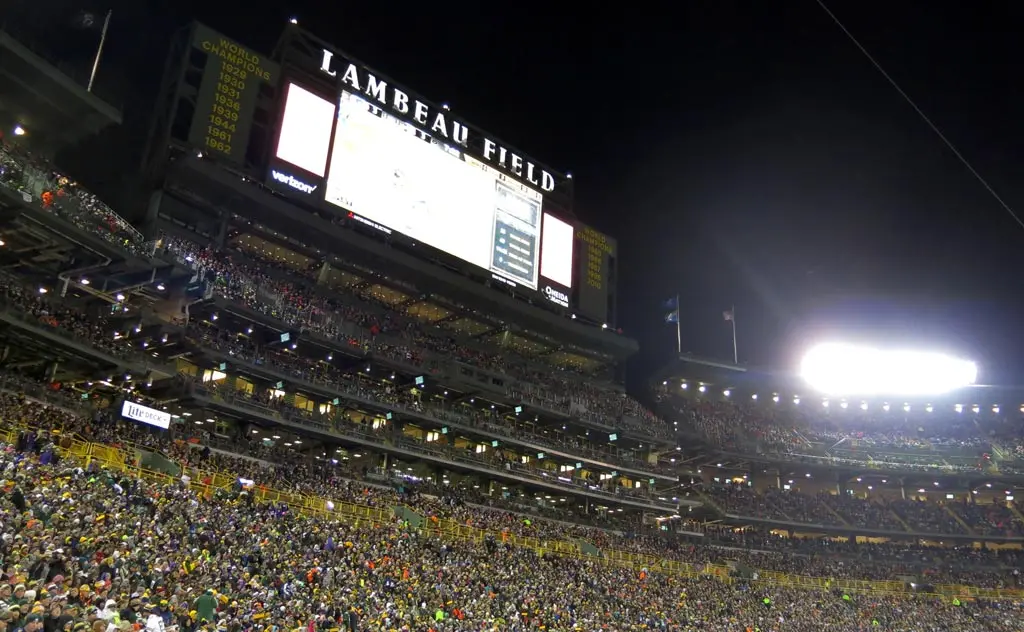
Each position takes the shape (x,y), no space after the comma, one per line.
(846,369)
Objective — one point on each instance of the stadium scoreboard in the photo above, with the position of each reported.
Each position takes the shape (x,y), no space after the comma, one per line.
(232,77)
(340,137)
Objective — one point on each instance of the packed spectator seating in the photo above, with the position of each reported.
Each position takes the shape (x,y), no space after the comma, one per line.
(382,330)
(298,304)
(56,312)
(38,181)
(271,465)
(320,372)
(100,544)
(85,536)
(940,440)
(893,515)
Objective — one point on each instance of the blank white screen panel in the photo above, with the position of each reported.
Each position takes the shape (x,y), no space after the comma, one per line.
(556,251)
(306,130)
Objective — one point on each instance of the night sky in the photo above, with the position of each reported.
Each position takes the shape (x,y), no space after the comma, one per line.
(742,152)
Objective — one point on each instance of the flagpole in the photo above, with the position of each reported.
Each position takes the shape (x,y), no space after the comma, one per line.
(735,353)
(99,51)
(679,331)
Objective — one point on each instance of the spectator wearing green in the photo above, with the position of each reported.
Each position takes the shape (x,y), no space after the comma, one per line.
(206,607)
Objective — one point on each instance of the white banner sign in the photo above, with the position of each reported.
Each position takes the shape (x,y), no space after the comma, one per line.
(146,415)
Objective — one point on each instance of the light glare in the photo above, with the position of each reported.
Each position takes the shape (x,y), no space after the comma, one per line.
(844,369)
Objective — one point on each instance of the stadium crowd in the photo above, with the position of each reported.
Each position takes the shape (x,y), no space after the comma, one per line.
(383,330)
(86,547)
(90,545)
(292,297)
(274,466)
(879,513)
(790,506)
(38,181)
(936,440)
(355,382)
(95,329)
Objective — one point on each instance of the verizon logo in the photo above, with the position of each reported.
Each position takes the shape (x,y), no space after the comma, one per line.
(293,182)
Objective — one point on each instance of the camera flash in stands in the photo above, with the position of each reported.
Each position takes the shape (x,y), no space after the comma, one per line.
(19,130)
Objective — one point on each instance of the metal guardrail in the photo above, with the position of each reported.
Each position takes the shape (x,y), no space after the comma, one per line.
(32,181)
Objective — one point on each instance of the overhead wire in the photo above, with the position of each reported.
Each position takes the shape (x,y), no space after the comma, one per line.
(920,112)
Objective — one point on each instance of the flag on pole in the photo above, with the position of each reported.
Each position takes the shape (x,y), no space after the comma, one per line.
(87,19)
(672,318)
(729,316)
(672,305)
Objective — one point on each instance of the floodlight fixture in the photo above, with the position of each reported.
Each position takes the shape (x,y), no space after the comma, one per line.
(846,369)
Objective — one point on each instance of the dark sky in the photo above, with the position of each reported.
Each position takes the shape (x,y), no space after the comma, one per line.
(742,152)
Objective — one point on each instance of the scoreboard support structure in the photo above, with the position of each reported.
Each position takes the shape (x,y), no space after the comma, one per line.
(158,139)
(216,96)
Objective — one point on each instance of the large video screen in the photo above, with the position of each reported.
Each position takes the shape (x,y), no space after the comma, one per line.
(556,245)
(386,171)
(305,136)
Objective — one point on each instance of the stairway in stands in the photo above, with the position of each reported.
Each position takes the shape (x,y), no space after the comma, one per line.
(900,519)
(1016,512)
(958,519)
(842,519)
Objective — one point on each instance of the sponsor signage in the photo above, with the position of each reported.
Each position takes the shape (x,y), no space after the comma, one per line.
(292,182)
(556,296)
(146,415)
(438,122)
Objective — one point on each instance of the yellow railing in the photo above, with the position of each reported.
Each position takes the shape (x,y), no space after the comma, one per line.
(358,514)
(848,585)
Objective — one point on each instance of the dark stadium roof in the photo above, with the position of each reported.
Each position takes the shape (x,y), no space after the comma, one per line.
(51,105)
